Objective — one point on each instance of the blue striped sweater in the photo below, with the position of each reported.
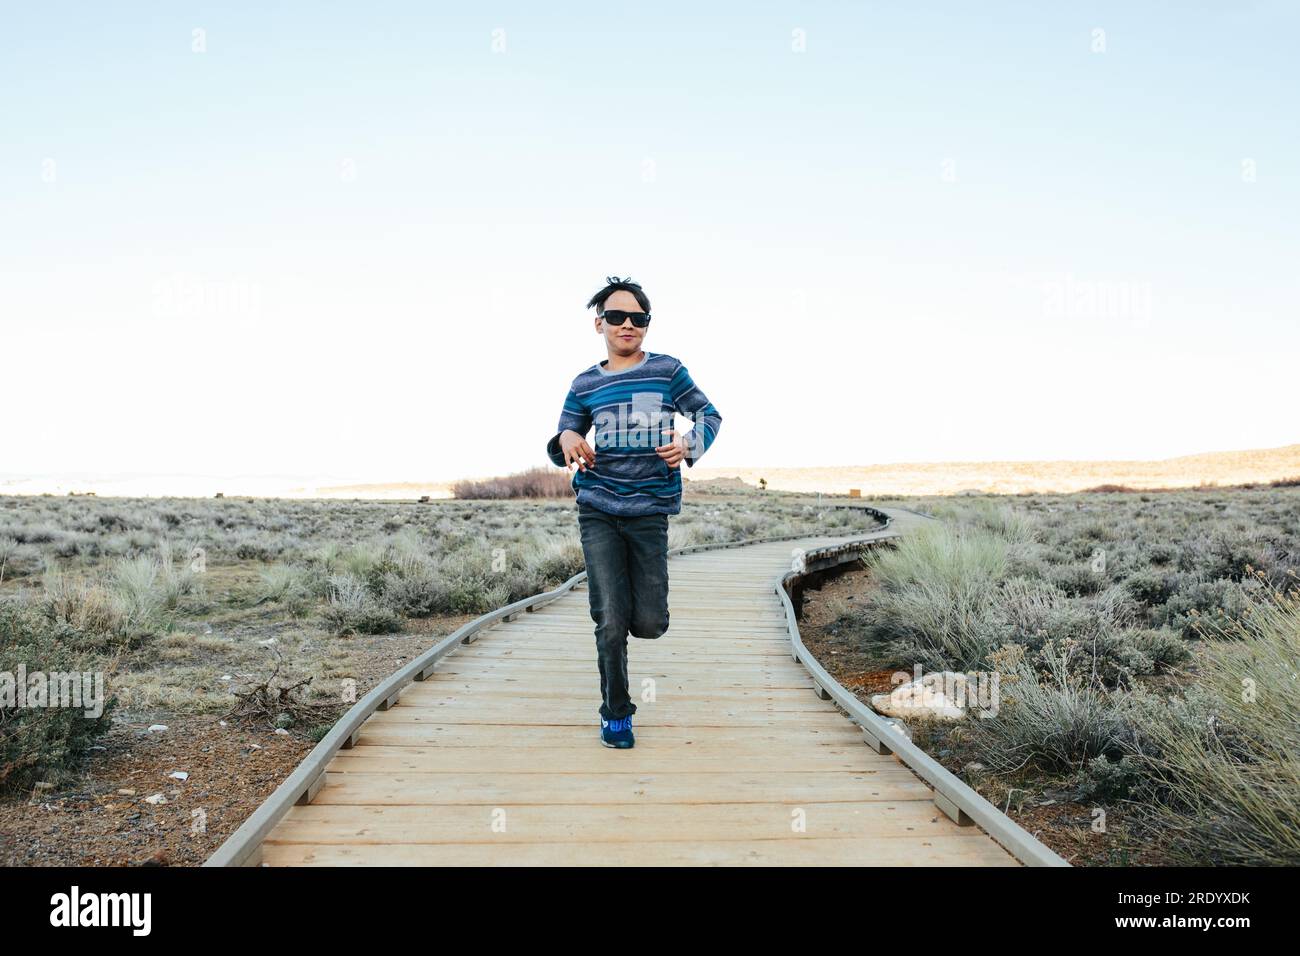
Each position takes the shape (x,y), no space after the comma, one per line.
(630,409)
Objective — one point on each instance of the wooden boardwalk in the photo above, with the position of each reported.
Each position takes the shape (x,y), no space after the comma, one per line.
(496,758)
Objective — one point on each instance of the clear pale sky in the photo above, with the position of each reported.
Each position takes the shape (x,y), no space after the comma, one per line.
(356,239)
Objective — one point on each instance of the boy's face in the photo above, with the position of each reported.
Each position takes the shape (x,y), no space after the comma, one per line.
(626,338)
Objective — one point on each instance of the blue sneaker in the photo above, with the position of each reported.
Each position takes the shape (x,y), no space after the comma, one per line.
(617,733)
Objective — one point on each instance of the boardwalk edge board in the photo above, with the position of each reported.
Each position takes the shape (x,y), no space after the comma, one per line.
(952,796)
(243,847)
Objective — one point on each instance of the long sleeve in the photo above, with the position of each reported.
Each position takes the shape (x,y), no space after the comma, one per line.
(573,417)
(692,403)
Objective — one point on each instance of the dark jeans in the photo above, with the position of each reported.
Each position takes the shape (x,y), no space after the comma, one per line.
(627,581)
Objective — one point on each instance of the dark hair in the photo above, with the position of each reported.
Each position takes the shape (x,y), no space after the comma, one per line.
(615,283)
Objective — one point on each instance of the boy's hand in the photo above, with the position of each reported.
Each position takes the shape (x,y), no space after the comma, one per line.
(576,449)
(675,450)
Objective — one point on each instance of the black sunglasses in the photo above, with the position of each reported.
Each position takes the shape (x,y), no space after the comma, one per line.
(615,317)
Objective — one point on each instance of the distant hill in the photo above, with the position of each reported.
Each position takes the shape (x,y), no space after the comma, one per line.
(1014,477)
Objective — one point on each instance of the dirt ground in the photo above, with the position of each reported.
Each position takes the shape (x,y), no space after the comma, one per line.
(107,819)
(1040,805)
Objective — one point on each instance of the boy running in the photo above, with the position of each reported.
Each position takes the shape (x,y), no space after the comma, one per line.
(625,498)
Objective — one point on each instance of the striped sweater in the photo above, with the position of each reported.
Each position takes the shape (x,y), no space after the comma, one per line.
(630,409)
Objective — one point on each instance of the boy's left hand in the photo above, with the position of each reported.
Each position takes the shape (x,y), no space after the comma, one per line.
(675,450)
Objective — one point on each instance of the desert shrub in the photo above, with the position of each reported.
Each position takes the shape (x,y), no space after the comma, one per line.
(1161,552)
(72,543)
(1052,718)
(140,541)
(1077,580)
(377,574)
(83,607)
(949,554)
(136,584)
(1025,559)
(8,551)
(541,482)
(936,604)
(175,582)
(1151,587)
(352,609)
(1228,757)
(1105,779)
(1232,554)
(411,574)
(743,526)
(704,532)
(1163,648)
(468,579)
(366,561)
(325,558)
(254,546)
(473,585)
(557,559)
(18,560)
(940,627)
(416,589)
(1114,658)
(421,595)
(39,534)
(43,743)
(130,604)
(1227,550)
(112,521)
(1113,605)
(1202,604)
(1096,530)
(1034,612)
(293,588)
(1013,525)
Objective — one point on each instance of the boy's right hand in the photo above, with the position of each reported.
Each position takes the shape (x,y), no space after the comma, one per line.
(576,449)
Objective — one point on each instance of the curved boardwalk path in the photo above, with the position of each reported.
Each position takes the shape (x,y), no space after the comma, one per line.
(495,758)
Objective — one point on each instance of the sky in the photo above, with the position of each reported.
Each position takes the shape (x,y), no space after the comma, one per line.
(357,240)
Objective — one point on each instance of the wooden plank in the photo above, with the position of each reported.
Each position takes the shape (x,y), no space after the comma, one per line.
(469,665)
(382,730)
(373,758)
(661,650)
(349,825)
(737,617)
(580,684)
(696,692)
(958,850)
(508,707)
(584,715)
(616,787)
(697,629)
